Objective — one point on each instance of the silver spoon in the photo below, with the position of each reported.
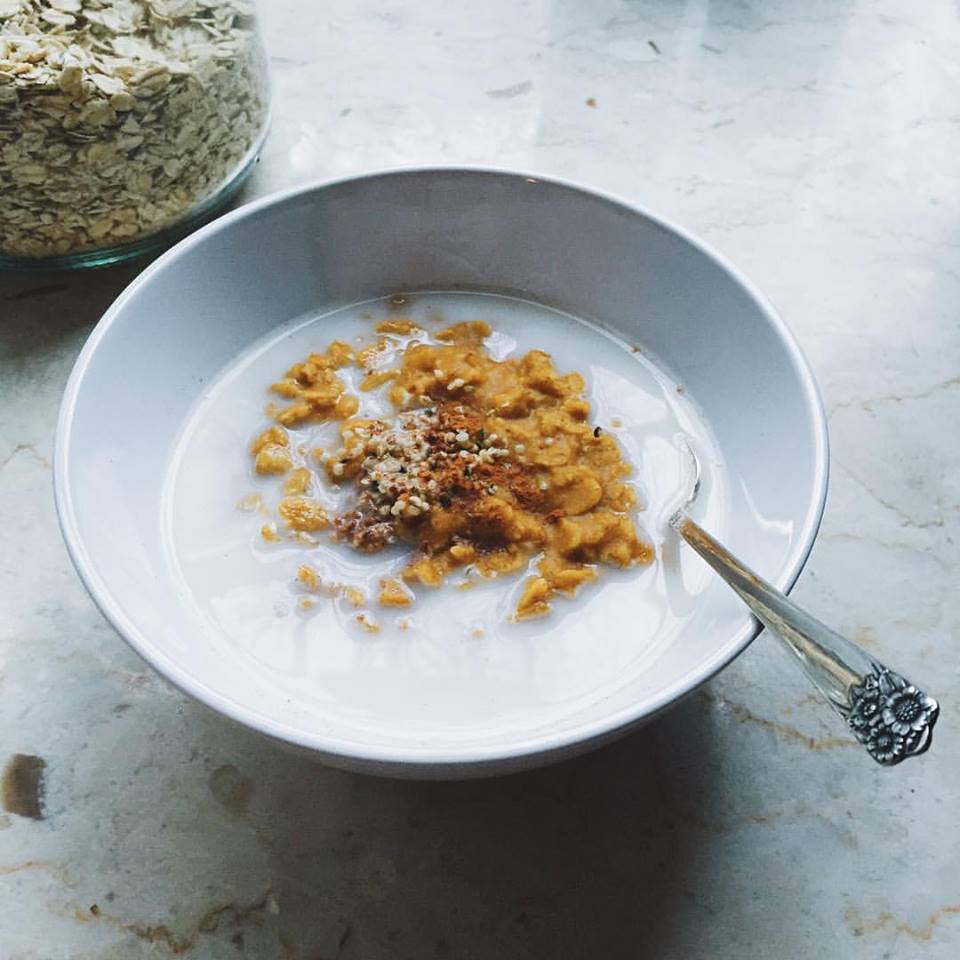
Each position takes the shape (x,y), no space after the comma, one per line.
(892,718)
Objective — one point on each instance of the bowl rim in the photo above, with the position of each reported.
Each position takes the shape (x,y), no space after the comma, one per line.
(478,755)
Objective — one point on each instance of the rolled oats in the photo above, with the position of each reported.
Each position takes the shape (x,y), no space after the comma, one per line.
(118,118)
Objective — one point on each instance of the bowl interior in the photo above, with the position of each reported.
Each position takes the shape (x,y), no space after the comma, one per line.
(195,310)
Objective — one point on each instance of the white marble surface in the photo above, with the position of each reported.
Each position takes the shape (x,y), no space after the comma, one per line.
(816,144)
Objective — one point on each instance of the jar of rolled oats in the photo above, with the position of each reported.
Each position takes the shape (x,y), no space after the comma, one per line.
(123,123)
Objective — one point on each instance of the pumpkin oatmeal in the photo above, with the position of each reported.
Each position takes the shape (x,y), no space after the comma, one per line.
(484,463)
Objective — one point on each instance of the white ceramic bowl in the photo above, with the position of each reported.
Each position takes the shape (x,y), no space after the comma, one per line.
(196,308)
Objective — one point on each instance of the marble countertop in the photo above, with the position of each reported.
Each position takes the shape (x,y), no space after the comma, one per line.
(816,145)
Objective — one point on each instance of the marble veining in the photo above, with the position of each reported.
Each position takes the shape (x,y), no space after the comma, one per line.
(814,144)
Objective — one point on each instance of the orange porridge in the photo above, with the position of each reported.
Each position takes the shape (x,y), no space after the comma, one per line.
(484,463)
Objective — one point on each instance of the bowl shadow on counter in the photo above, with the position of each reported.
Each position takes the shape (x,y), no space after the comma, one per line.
(594,856)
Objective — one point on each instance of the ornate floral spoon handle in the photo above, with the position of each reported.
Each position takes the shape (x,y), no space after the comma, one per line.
(889,716)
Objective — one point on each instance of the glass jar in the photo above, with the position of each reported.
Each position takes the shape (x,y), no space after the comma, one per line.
(123,123)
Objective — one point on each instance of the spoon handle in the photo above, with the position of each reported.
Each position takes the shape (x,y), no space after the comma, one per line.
(889,716)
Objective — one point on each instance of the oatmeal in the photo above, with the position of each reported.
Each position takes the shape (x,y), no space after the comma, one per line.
(484,464)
